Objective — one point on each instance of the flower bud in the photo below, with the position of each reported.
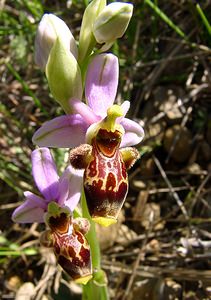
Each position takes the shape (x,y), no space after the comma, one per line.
(64,75)
(112,22)
(49,29)
(86,39)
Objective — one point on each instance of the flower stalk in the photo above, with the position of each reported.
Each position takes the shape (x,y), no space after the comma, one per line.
(96,288)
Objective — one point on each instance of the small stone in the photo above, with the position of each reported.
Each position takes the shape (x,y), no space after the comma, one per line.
(156,131)
(172,290)
(13,283)
(208,291)
(26,291)
(194,168)
(125,235)
(153,246)
(147,167)
(170,104)
(139,184)
(208,131)
(205,150)
(182,148)
(150,215)
(147,289)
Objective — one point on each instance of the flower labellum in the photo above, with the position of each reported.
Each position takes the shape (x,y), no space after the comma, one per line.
(66,237)
(112,23)
(49,29)
(105,176)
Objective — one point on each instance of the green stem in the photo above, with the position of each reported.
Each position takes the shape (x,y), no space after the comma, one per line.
(93,290)
(91,235)
(204,18)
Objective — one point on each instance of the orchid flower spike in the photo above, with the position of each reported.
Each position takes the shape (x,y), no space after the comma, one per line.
(65,190)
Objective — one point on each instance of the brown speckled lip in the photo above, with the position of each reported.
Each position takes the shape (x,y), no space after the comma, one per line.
(60,223)
(105,203)
(70,247)
(74,256)
(105,178)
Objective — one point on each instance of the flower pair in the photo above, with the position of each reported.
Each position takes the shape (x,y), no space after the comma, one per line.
(93,126)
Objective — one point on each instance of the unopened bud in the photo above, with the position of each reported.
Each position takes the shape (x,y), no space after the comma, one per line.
(86,39)
(49,29)
(112,22)
(64,75)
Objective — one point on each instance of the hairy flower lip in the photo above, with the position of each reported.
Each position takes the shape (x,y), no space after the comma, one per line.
(66,237)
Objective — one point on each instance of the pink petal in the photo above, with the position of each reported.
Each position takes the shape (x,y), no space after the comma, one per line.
(85,111)
(101,83)
(63,190)
(125,107)
(40,202)
(32,210)
(45,173)
(134,133)
(61,132)
(70,186)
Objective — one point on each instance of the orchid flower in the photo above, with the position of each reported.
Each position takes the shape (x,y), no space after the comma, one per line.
(100,91)
(64,190)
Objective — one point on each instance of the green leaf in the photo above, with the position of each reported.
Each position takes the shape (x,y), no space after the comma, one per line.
(204,18)
(166,19)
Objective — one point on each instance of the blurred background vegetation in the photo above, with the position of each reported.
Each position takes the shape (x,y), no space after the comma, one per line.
(160,248)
